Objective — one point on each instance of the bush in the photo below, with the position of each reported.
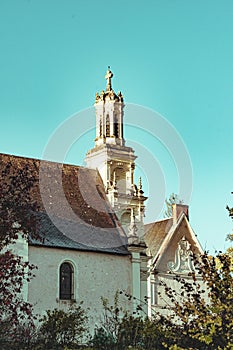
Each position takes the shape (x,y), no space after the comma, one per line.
(120,330)
(61,329)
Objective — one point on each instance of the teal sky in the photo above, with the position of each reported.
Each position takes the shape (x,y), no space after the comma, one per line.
(172,56)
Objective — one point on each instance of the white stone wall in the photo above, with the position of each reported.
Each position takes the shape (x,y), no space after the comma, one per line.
(175,260)
(20,248)
(95,275)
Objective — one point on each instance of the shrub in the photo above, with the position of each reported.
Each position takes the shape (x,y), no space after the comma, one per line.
(62,329)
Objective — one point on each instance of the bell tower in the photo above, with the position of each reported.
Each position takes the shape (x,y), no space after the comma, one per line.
(116,162)
(109,115)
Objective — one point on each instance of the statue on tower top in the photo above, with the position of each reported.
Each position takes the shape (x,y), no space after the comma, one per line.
(109,94)
(108,77)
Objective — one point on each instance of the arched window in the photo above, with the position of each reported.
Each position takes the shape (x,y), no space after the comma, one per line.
(107,126)
(66,281)
(116,127)
(125,218)
(100,128)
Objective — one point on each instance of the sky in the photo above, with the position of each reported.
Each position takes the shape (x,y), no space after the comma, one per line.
(174,58)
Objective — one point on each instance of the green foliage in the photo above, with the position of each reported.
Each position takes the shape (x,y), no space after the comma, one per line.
(142,333)
(60,329)
(199,314)
(105,336)
(230,237)
(202,311)
(102,340)
(24,336)
(121,330)
(17,213)
(17,207)
(134,332)
(230,210)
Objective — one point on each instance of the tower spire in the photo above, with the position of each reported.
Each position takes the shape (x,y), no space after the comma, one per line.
(109,115)
(108,77)
(115,161)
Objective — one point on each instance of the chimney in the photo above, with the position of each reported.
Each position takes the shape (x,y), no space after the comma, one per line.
(177,210)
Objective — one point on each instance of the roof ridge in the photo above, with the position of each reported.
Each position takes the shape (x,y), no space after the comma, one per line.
(154,222)
(42,160)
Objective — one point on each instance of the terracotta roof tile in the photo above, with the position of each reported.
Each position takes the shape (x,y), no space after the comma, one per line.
(73,198)
(155,234)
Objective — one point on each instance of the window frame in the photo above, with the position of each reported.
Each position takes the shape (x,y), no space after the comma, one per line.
(62,294)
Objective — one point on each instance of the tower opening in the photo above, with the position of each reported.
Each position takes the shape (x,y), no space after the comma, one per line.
(114,160)
(101,127)
(116,127)
(107,126)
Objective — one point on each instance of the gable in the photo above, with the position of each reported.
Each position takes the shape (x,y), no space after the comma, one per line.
(155,234)
(180,242)
(164,238)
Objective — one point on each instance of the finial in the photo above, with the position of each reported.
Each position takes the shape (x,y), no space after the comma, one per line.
(140,191)
(120,96)
(108,77)
(132,229)
(97,97)
(140,183)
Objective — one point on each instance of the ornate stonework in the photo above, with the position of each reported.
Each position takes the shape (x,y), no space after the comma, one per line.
(109,94)
(108,77)
(116,162)
(183,261)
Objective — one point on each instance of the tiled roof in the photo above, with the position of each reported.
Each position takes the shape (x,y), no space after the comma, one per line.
(155,234)
(74,211)
(77,237)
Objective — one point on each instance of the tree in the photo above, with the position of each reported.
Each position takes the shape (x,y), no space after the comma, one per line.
(173,199)
(201,313)
(143,333)
(198,315)
(230,235)
(106,332)
(17,218)
(200,310)
(121,329)
(60,329)
(17,207)
(230,210)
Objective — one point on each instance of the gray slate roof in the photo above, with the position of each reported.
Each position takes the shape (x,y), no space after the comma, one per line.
(77,237)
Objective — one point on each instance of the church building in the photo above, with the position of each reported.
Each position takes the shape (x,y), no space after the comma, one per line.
(92,239)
